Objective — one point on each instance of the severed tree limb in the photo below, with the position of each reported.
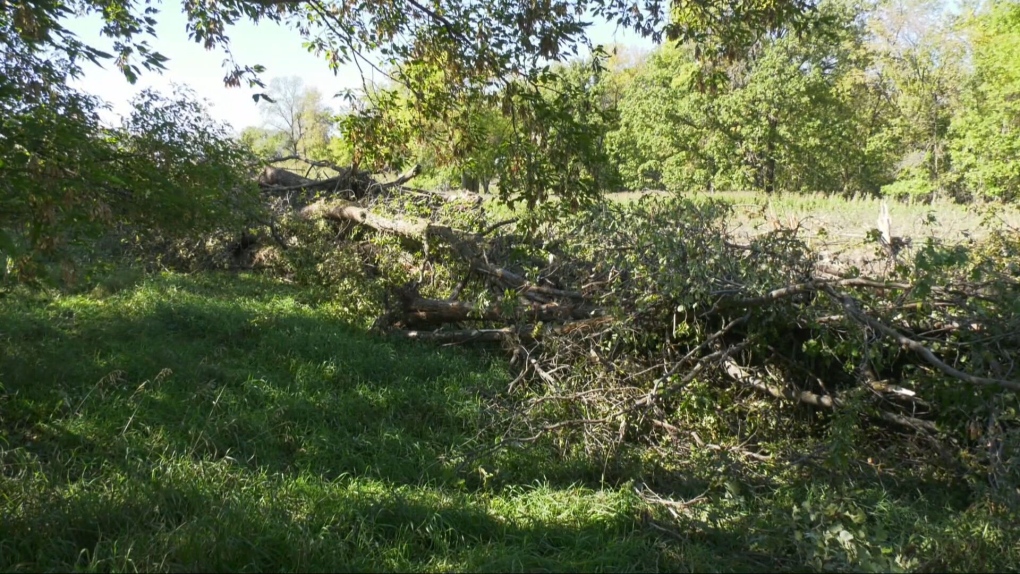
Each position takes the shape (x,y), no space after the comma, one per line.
(499,224)
(359,183)
(345,211)
(277,180)
(270,222)
(739,374)
(521,284)
(467,196)
(461,337)
(281,179)
(907,343)
(432,311)
(401,180)
(464,243)
(457,289)
(310,162)
(528,332)
(798,288)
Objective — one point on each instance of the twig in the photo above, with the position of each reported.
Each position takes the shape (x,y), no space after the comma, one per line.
(497,225)
(798,288)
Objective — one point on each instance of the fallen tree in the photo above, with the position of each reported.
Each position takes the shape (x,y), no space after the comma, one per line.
(348,181)
(617,312)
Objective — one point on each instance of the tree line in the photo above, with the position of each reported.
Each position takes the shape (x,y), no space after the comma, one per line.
(905,98)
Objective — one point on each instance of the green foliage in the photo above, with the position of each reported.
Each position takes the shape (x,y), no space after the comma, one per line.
(986,134)
(558,143)
(919,60)
(448,54)
(863,101)
(911,185)
(832,489)
(663,137)
(264,143)
(66,179)
(793,113)
(298,116)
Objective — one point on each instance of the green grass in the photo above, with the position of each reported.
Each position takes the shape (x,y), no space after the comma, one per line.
(231,422)
(837,228)
(224,423)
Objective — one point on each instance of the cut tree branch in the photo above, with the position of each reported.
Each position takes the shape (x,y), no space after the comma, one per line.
(851,309)
(739,374)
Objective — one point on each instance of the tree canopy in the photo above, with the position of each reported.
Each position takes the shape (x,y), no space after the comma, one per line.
(446,53)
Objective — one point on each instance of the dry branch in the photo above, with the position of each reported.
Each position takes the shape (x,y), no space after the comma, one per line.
(461,195)
(435,311)
(528,332)
(465,336)
(807,287)
(358,184)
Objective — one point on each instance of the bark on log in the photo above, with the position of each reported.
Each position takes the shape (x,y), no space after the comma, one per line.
(278,177)
(356,184)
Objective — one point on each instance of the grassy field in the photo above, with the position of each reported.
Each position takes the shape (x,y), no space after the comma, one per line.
(235,422)
(226,423)
(838,228)
(849,219)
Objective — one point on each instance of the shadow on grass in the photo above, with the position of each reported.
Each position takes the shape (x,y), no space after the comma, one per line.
(184,523)
(258,377)
(223,423)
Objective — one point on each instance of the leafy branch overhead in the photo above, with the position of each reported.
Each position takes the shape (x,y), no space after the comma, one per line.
(474,42)
(476,51)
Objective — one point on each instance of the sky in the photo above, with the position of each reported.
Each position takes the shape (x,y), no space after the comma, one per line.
(275,47)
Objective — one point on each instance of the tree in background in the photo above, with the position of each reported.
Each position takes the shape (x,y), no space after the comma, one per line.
(299,114)
(462,148)
(778,95)
(476,49)
(986,133)
(664,136)
(558,144)
(918,62)
(804,118)
(66,179)
(794,112)
(265,143)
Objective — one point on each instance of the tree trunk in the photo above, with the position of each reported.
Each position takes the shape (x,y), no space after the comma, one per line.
(469,182)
